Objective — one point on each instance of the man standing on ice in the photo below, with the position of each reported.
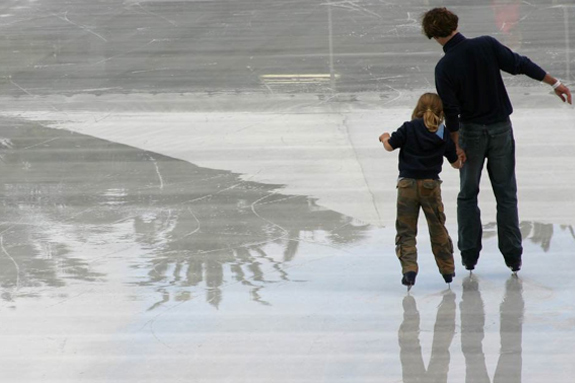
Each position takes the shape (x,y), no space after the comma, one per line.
(477,109)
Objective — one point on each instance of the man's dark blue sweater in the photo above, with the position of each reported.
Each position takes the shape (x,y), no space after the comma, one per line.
(468,79)
(421,151)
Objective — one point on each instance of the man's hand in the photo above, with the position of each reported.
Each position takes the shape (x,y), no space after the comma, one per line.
(461,154)
(564,93)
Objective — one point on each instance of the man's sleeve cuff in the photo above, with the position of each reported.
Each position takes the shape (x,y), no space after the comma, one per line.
(452,124)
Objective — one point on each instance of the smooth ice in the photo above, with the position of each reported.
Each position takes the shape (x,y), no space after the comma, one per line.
(193,191)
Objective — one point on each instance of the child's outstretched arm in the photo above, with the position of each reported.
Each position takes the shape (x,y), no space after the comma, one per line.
(384,138)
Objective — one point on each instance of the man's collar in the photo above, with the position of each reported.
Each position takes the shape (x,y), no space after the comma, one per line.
(456,39)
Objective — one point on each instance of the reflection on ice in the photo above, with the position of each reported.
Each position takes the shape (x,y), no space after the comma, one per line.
(118,264)
(512,309)
(472,312)
(472,309)
(186,230)
(95,229)
(72,201)
(247,234)
(473,331)
(411,357)
(538,233)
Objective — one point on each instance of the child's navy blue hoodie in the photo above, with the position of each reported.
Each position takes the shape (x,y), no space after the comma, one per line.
(421,151)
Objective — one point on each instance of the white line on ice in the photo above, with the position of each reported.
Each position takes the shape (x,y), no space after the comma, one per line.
(158,172)
(13,261)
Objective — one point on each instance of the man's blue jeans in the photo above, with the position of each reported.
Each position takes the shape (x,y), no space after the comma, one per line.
(494,143)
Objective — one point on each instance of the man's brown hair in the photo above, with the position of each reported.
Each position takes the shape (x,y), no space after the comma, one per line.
(439,22)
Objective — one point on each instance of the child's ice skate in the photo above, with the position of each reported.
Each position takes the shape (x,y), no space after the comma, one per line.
(409,279)
(448,278)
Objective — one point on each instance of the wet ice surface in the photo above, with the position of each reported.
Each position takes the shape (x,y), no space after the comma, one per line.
(322,147)
(124,265)
(173,209)
(159,46)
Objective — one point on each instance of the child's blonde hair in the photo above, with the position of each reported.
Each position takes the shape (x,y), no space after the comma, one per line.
(430,108)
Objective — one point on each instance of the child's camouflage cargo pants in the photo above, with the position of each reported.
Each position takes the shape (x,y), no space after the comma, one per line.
(411,195)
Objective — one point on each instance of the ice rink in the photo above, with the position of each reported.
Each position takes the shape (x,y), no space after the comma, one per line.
(194,191)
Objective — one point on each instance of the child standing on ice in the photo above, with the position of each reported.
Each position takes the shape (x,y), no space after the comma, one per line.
(423,142)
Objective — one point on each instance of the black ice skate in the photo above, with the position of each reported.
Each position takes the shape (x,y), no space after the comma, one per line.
(515,267)
(469,261)
(448,278)
(409,279)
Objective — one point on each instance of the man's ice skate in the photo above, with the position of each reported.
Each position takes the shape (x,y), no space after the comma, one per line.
(469,261)
(515,267)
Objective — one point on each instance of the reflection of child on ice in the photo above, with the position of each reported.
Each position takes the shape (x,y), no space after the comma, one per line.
(423,142)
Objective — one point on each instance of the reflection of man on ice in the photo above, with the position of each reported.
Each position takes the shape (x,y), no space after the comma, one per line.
(510,363)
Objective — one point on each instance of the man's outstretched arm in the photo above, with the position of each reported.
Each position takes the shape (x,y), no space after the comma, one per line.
(514,63)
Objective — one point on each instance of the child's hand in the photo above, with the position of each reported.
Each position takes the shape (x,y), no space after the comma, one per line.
(384,137)
(457,164)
